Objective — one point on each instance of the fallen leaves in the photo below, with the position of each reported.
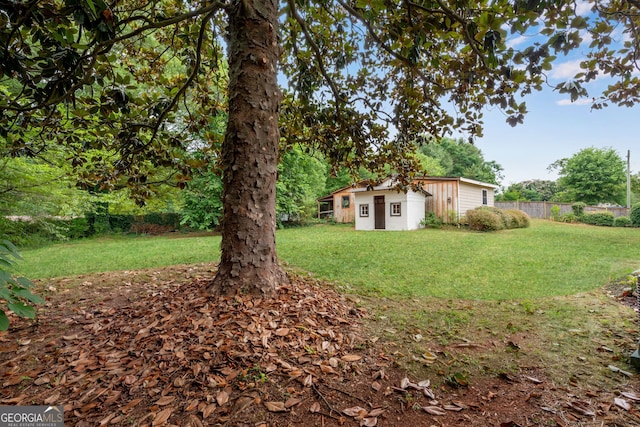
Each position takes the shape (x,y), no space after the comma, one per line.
(179,350)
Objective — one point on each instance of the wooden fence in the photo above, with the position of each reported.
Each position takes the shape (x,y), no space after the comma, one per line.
(543,209)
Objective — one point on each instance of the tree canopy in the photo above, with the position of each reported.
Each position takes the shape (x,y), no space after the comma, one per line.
(593,175)
(364,78)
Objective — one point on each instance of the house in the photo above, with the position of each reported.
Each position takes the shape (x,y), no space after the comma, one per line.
(452,197)
(448,197)
(384,207)
(337,205)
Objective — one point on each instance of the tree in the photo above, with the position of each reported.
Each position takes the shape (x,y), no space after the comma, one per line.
(593,175)
(301,180)
(534,190)
(461,158)
(358,72)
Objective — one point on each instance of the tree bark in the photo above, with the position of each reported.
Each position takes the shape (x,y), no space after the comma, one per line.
(249,263)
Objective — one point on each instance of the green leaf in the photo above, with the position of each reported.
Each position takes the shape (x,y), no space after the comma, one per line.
(26,283)
(4,321)
(26,294)
(22,310)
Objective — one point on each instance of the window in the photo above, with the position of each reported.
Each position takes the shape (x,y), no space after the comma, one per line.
(484,197)
(346,201)
(395,209)
(364,210)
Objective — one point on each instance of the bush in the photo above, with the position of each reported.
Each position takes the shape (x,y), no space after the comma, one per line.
(555,213)
(568,217)
(431,220)
(634,215)
(121,223)
(622,221)
(15,292)
(598,218)
(520,218)
(483,219)
(578,208)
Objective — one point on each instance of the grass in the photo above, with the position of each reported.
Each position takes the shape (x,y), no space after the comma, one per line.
(543,260)
(546,259)
(517,301)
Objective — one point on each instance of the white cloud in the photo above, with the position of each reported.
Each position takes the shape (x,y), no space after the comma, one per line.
(583,7)
(566,70)
(516,41)
(581,101)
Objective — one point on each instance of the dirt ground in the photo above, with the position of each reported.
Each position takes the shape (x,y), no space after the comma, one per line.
(151,348)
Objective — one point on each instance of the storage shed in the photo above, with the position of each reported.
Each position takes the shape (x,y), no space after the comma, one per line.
(454,196)
(383,207)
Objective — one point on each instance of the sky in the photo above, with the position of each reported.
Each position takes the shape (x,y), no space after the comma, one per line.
(553,129)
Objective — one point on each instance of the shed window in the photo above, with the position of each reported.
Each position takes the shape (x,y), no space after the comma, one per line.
(364,210)
(346,201)
(484,197)
(395,209)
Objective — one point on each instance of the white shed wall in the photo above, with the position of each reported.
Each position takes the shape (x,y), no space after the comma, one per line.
(411,210)
(471,197)
(364,198)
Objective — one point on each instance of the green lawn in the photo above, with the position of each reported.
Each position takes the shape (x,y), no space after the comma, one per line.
(546,259)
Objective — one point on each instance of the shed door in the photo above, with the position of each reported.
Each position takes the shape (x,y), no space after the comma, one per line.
(378,212)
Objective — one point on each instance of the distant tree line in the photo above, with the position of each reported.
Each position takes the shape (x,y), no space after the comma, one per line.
(592,176)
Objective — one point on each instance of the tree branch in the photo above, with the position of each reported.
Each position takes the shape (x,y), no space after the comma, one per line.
(318,54)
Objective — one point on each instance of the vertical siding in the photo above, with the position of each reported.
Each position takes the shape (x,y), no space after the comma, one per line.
(443,199)
(341,214)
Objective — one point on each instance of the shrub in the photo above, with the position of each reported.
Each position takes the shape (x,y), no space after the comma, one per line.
(484,220)
(634,215)
(431,220)
(622,221)
(15,292)
(121,223)
(598,218)
(520,218)
(555,213)
(578,208)
(569,217)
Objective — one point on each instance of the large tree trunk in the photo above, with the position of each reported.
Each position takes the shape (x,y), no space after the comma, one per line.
(249,263)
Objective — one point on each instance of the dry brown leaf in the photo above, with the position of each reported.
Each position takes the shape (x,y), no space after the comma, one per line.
(52,399)
(165,400)
(42,380)
(208,410)
(630,395)
(326,369)
(333,362)
(369,422)
(534,380)
(621,403)
(162,417)
(376,386)
(222,397)
(375,412)
(351,357)
(192,406)
(275,406)
(454,408)
(308,380)
(582,408)
(194,421)
(314,408)
(282,332)
(292,401)
(356,412)
(434,410)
